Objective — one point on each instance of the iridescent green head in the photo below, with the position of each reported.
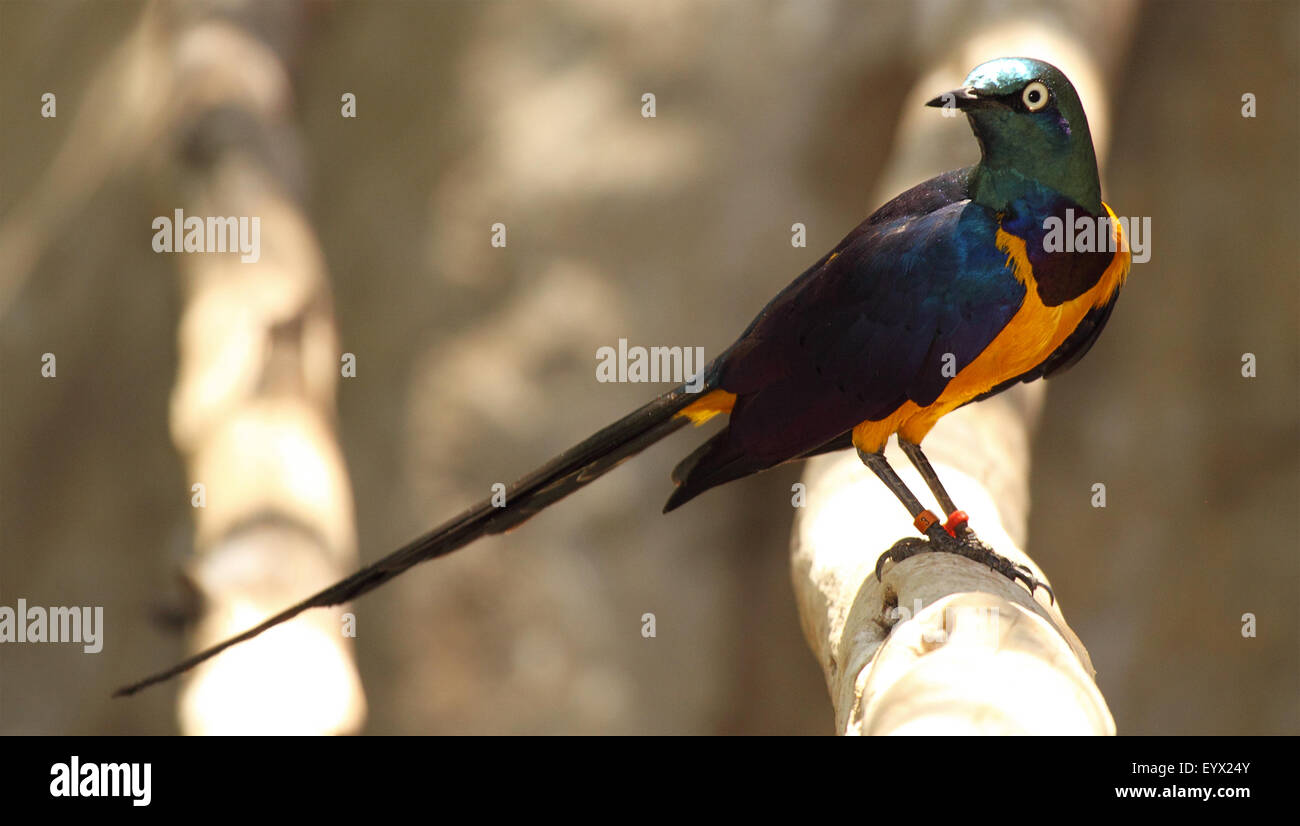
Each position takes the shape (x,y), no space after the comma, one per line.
(1031,129)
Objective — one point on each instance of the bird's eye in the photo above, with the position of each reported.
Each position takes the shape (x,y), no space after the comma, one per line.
(1035,96)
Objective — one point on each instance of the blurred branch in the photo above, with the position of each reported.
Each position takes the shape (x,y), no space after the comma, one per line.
(198,99)
(122,117)
(253,406)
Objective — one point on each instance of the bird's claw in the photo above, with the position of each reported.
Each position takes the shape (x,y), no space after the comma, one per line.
(966,544)
(972,548)
(900,550)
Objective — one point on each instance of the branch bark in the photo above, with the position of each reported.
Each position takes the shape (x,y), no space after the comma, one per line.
(941,645)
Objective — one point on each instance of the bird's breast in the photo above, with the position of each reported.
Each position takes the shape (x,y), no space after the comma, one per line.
(1036,330)
(1032,334)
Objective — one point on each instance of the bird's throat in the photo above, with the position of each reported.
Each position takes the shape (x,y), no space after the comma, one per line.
(997,187)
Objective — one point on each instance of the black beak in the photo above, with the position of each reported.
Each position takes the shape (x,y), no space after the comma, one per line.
(958,98)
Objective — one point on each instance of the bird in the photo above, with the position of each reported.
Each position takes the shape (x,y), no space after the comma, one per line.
(946,295)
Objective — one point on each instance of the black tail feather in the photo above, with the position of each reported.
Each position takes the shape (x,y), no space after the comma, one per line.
(713,463)
(550,483)
(717,462)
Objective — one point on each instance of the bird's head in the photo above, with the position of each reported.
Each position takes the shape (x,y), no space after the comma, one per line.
(1031,129)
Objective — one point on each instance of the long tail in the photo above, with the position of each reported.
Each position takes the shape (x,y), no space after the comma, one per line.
(545,486)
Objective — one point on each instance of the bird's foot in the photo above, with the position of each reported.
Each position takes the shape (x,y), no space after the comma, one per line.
(957,538)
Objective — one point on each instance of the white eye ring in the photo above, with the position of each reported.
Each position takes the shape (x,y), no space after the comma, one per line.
(1035,96)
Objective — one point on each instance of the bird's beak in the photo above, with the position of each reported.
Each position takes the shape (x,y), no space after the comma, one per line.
(965,98)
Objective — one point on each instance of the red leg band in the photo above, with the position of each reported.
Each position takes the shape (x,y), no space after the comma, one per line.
(956,519)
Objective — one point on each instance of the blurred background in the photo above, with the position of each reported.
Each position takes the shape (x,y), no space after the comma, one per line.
(475,363)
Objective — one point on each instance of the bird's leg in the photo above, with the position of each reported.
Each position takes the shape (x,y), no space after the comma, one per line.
(957,519)
(924,520)
(940,538)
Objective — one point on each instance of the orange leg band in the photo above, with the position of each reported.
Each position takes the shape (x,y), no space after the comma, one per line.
(924,520)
